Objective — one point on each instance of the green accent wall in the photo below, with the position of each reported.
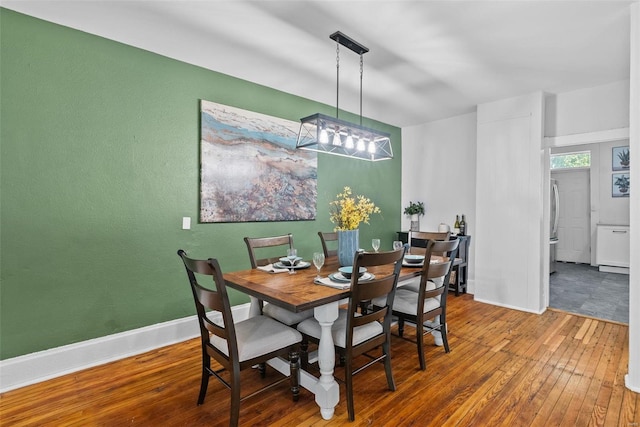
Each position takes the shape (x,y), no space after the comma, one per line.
(99,163)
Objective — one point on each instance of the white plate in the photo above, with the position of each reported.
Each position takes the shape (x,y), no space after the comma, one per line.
(338,277)
(412,264)
(300,265)
(285,260)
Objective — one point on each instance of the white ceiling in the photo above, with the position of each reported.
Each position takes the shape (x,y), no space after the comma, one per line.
(428,59)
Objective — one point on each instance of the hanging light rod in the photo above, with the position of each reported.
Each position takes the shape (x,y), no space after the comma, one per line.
(326,134)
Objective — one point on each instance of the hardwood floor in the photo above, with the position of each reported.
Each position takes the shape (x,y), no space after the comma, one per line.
(505,367)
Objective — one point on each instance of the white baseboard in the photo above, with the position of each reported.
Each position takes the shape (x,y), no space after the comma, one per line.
(471,287)
(612,269)
(43,365)
(629,385)
(513,307)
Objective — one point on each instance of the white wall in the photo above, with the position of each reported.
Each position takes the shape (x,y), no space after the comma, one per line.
(439,169)
(509,203)
(588,110)
(613,210)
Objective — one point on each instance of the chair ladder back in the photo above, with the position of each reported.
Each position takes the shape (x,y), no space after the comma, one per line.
(423,237)
(430,235)
(365,291)
(435,271)
(375,314)
(211,299)
(328,237)
(381,286)
(254,243)
(449,249)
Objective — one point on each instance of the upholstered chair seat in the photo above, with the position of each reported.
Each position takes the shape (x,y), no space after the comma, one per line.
(257,336)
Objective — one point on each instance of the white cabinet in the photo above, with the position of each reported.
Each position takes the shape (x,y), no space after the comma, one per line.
(613,247)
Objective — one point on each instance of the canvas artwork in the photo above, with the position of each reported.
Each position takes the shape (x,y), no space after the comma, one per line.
(621,185)
(620,158)
(251,170)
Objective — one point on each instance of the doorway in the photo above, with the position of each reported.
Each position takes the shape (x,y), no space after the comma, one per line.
(585,201)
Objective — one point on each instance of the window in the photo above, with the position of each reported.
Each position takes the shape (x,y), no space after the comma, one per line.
(571,160)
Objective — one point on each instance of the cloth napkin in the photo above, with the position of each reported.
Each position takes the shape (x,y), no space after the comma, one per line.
(328,282)
(269,268)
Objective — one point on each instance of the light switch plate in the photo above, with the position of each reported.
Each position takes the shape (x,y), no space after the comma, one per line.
(186,223)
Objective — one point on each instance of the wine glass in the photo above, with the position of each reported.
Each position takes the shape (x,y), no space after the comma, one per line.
(397,244)
(292,254)
(375,244)
(318,261)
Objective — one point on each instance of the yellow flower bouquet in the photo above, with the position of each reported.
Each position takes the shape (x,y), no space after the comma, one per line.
(348,211)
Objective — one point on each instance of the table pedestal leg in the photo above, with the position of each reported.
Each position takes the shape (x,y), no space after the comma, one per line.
(254,307)
(327,389)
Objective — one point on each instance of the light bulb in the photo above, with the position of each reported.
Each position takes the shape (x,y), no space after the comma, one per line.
(336,138)
(372,147)
(324,136)
(349,143)
(361,144)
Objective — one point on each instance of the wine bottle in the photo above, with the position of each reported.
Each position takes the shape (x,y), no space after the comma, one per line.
(463,226)
(456,225)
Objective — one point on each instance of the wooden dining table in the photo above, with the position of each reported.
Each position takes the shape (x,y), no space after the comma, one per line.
(298,292)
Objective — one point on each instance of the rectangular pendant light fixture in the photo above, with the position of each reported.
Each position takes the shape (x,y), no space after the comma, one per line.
(326,134)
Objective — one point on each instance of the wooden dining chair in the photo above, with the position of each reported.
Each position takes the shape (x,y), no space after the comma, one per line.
(418,239)
(421,238)
(271,250)
(280,243)
(355,334)
(235,346)
(427,299)
(328,237)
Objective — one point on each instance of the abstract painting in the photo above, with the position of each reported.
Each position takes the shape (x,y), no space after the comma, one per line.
(250,169)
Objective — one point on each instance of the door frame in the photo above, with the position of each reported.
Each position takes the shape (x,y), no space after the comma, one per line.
(567,141)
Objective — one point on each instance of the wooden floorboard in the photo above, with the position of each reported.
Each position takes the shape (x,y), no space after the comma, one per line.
(506,367)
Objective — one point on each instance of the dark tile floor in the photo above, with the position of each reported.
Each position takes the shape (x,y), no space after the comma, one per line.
(582,289)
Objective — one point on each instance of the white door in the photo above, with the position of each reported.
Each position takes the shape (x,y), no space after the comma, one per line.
(574,225)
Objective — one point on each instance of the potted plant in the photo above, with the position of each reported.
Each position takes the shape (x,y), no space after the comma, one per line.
(414,210)
(624,158)
(623,183)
